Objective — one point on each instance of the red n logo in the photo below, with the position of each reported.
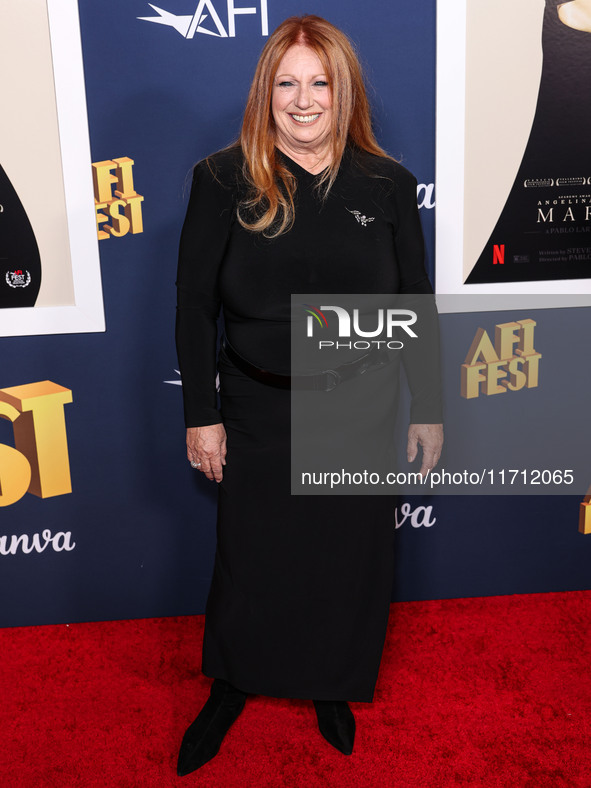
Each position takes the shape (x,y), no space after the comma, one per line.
(499,254)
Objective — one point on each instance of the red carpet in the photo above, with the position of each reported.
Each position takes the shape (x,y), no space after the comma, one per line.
(472,692)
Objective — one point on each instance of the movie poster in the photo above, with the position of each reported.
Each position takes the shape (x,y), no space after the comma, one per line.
(46,230)
(520,146)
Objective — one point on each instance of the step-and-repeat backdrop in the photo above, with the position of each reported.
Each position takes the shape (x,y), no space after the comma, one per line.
(101,516)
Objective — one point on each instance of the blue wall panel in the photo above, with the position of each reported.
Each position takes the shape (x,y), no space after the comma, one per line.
(142,522)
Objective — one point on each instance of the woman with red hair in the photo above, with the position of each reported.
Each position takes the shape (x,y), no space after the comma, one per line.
(301,588)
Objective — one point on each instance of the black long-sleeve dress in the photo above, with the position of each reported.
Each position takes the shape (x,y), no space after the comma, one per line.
(301,589)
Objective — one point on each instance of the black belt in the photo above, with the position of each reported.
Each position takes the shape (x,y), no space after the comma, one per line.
(326,380)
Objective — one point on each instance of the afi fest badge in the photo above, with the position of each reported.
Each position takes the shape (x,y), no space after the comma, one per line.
(18,278)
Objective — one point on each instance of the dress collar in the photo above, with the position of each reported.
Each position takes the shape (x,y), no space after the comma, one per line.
(295,168)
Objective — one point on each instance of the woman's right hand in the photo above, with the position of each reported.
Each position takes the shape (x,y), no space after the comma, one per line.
(207,445)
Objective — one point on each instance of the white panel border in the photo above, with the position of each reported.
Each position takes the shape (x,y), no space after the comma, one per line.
(87,313)
(449,179)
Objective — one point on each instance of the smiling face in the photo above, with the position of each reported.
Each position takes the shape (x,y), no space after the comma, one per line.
(302,104)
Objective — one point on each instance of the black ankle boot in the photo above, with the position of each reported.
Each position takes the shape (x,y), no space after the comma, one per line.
(336,723)
(204,736)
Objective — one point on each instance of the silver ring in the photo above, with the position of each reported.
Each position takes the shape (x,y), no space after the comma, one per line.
(195,464)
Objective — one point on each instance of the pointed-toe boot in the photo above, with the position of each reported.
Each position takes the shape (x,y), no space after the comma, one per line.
(203,738)
(336,723)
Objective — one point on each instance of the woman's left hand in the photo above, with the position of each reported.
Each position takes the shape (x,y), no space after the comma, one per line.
(430,438)
(206,447)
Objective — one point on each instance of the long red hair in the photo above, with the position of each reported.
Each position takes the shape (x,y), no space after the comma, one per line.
(270,208)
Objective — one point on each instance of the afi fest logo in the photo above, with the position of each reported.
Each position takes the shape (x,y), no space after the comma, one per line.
(117,213)
(18,278)
(387,320)
(207,20)
(500,367)
(39,462)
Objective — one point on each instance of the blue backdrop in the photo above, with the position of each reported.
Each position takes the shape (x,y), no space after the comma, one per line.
(142,524)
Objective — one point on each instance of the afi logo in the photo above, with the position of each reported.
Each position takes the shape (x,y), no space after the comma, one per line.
(500,367)
(39,464)
(207,20)
(124,208)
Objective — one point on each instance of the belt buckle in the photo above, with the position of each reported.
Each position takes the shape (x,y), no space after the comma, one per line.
(331,382)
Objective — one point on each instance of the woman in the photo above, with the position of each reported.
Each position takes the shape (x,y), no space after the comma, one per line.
(300,595)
